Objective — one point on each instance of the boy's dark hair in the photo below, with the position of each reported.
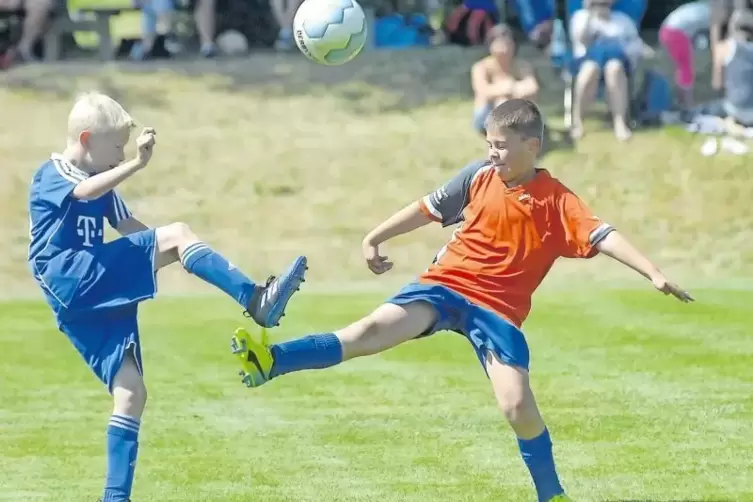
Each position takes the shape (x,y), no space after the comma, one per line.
(499,31)
(519,115)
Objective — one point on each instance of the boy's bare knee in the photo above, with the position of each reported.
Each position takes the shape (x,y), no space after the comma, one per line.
(174,236)
(512,404)
(614,69)
(130,401)
(589,70)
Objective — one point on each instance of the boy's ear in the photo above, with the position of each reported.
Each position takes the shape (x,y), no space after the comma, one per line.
(533,145)
(83,138)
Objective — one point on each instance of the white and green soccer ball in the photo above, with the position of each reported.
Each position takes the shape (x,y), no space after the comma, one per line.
(330,32)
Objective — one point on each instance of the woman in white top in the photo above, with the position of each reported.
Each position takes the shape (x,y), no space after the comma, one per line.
(605,44)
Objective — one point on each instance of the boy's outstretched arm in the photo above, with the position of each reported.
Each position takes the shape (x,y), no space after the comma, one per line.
(616,246)
(444,205)
(409,218)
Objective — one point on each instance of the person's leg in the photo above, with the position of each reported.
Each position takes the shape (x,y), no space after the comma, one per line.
(389,325)
(586,85)
(284,11)
(502,350)
(480,112)
(517,403)
(616,80)
(35,21)
(129,397)
(679,48)
(108,340)
(417,310)
(206,24)
(265,304)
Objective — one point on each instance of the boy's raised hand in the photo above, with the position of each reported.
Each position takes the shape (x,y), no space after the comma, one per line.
(145,145)
(377,263)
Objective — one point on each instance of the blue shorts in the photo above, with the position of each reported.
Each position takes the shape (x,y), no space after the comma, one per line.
(486,330)
(103,288)
(104,338)
(601,52)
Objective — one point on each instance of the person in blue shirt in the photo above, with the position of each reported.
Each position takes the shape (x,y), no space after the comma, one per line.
(94,287)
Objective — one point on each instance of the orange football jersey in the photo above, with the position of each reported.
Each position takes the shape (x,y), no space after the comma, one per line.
(507,238)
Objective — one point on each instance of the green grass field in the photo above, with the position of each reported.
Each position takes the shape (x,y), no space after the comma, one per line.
(647,399)
(268,157)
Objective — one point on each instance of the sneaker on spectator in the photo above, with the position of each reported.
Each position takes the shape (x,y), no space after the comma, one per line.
(208,51)
(138,52)
(284,40)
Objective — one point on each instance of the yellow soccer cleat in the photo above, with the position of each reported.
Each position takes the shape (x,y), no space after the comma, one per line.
(253,352)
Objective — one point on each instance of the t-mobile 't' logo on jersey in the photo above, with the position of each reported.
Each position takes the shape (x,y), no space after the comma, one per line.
(87,228)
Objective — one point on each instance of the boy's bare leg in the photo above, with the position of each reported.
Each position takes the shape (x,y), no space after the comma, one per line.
(389,325)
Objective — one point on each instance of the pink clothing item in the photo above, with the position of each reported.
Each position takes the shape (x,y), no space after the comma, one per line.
(680,49)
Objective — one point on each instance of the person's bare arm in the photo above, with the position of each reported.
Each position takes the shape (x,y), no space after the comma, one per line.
(618,248)
(528,85)
(486,91)
(96,186)
(444,205)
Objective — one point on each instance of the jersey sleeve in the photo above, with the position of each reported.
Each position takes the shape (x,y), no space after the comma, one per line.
(446,203)
(581,230)
(57,181)
(116,210)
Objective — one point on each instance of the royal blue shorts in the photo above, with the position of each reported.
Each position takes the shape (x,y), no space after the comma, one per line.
(485,330)
(100,314)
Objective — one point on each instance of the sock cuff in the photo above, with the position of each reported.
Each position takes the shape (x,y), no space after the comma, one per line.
(542,440)
(125,423)
(327,341)
(193,253)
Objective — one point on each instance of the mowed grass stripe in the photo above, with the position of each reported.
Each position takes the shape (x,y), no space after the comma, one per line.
(637,408)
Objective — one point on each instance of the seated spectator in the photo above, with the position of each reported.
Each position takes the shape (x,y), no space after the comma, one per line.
(37,13)
(500,76)
(284,12)
(676,35)
(735,56)
(606,44)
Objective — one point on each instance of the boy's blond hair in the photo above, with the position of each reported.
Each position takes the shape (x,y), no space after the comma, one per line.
(97,113)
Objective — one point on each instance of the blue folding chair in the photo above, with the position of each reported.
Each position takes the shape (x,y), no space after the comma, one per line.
(565,62)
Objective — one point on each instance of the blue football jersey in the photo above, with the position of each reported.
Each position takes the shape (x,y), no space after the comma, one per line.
(66,232)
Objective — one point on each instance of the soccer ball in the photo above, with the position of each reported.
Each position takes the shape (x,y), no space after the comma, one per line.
(330,32)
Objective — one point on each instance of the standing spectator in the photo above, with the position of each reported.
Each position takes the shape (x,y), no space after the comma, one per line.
(36,15)
(284,12)
(676,35)
(500,76)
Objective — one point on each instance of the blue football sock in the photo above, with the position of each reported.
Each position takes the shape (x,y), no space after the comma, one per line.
(537,454)
(200,260)
(122,448)
(307,353)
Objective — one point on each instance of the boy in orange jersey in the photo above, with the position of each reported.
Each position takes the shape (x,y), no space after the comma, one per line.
(515,221)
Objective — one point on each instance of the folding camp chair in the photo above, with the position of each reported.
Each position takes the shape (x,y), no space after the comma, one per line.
(635,9)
